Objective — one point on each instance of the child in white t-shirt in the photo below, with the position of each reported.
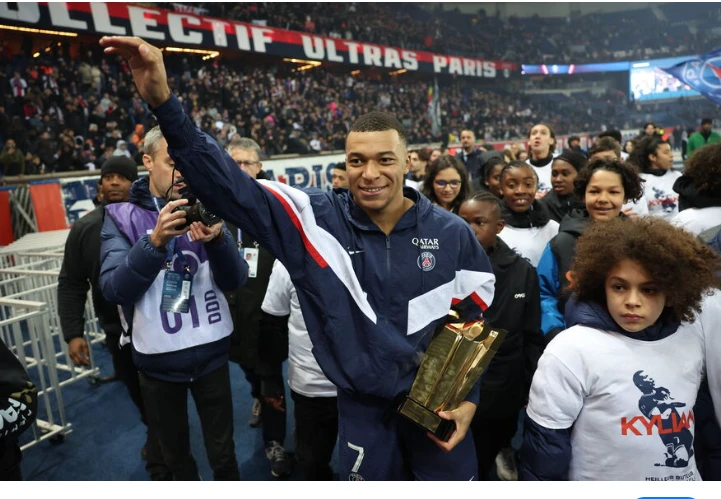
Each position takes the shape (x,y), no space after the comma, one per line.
(613,396)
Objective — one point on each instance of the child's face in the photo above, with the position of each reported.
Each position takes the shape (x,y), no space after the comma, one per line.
(494,180)
(604,195)
(562,176)
(519,188)
(634,301)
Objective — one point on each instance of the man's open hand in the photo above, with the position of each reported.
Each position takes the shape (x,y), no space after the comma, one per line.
(146,64)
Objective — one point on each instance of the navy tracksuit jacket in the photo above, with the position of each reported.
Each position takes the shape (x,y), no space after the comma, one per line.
(371,301)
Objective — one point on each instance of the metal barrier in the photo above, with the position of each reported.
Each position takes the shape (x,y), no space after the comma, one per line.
(30,326)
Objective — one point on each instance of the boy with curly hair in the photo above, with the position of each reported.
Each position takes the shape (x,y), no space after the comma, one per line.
(603,187)
(612,397)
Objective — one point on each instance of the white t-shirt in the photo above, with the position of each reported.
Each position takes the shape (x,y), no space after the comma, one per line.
(629,402)
(660,197)
(709,319)
(639,208)
(304,374)
(697,220)
(544,176)
(529,243)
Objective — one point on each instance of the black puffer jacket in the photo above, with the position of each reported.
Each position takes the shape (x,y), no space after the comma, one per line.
(516,308)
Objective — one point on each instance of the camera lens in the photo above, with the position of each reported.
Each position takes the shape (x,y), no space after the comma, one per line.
(207,217)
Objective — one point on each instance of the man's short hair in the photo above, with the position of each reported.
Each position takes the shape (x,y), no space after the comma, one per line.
(572,138)
(244,143)
(339,166)
(706,121)
(152,138)
(378,121)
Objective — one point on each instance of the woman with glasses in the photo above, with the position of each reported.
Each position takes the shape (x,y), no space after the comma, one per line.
(446,184)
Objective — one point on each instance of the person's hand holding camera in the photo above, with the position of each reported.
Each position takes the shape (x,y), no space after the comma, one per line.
(203,234)
(168,220)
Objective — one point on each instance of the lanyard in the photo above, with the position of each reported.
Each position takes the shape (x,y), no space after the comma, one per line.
(240,239)
(173,249)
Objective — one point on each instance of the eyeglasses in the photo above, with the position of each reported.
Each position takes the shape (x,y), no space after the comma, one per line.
(247,163)
(443,183)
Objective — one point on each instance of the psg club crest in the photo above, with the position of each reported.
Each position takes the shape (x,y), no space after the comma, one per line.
(703,74)
(427,261)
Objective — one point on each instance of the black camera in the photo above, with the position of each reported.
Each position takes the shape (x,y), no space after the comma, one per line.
(194,210)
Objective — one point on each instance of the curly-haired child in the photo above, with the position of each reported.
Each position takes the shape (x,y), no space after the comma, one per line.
(612,397)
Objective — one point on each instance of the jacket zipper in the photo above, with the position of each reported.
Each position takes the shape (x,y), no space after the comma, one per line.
(388,254)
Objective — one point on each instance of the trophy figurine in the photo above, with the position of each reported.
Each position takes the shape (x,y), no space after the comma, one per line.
(454,361)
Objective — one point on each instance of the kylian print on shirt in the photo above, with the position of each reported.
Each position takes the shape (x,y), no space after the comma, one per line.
(666,415)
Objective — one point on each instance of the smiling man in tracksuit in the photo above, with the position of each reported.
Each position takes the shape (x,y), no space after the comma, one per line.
(376,268)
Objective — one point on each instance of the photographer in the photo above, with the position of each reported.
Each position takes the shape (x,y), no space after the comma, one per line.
(171,289)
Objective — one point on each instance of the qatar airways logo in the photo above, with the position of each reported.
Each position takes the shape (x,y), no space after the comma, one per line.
(425,244)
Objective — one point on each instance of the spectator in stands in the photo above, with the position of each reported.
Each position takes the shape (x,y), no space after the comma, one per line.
(435,154)
(12,160)
(703,137)
(122,149)
(446,183)
(138,135)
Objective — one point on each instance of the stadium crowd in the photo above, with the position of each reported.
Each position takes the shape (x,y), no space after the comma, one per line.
(67,114)
(532,40)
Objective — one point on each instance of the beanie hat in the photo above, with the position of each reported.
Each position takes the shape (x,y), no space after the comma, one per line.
(575,159)
(122,165)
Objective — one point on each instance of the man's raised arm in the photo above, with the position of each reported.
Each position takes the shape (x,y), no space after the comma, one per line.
(260,209)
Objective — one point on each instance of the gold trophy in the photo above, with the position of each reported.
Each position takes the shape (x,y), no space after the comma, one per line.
(454,360)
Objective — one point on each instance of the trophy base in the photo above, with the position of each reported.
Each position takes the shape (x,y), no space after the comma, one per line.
(427,419)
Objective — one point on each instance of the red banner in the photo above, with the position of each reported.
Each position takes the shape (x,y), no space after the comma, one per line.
(164,27)
(48,205)
(6,223)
